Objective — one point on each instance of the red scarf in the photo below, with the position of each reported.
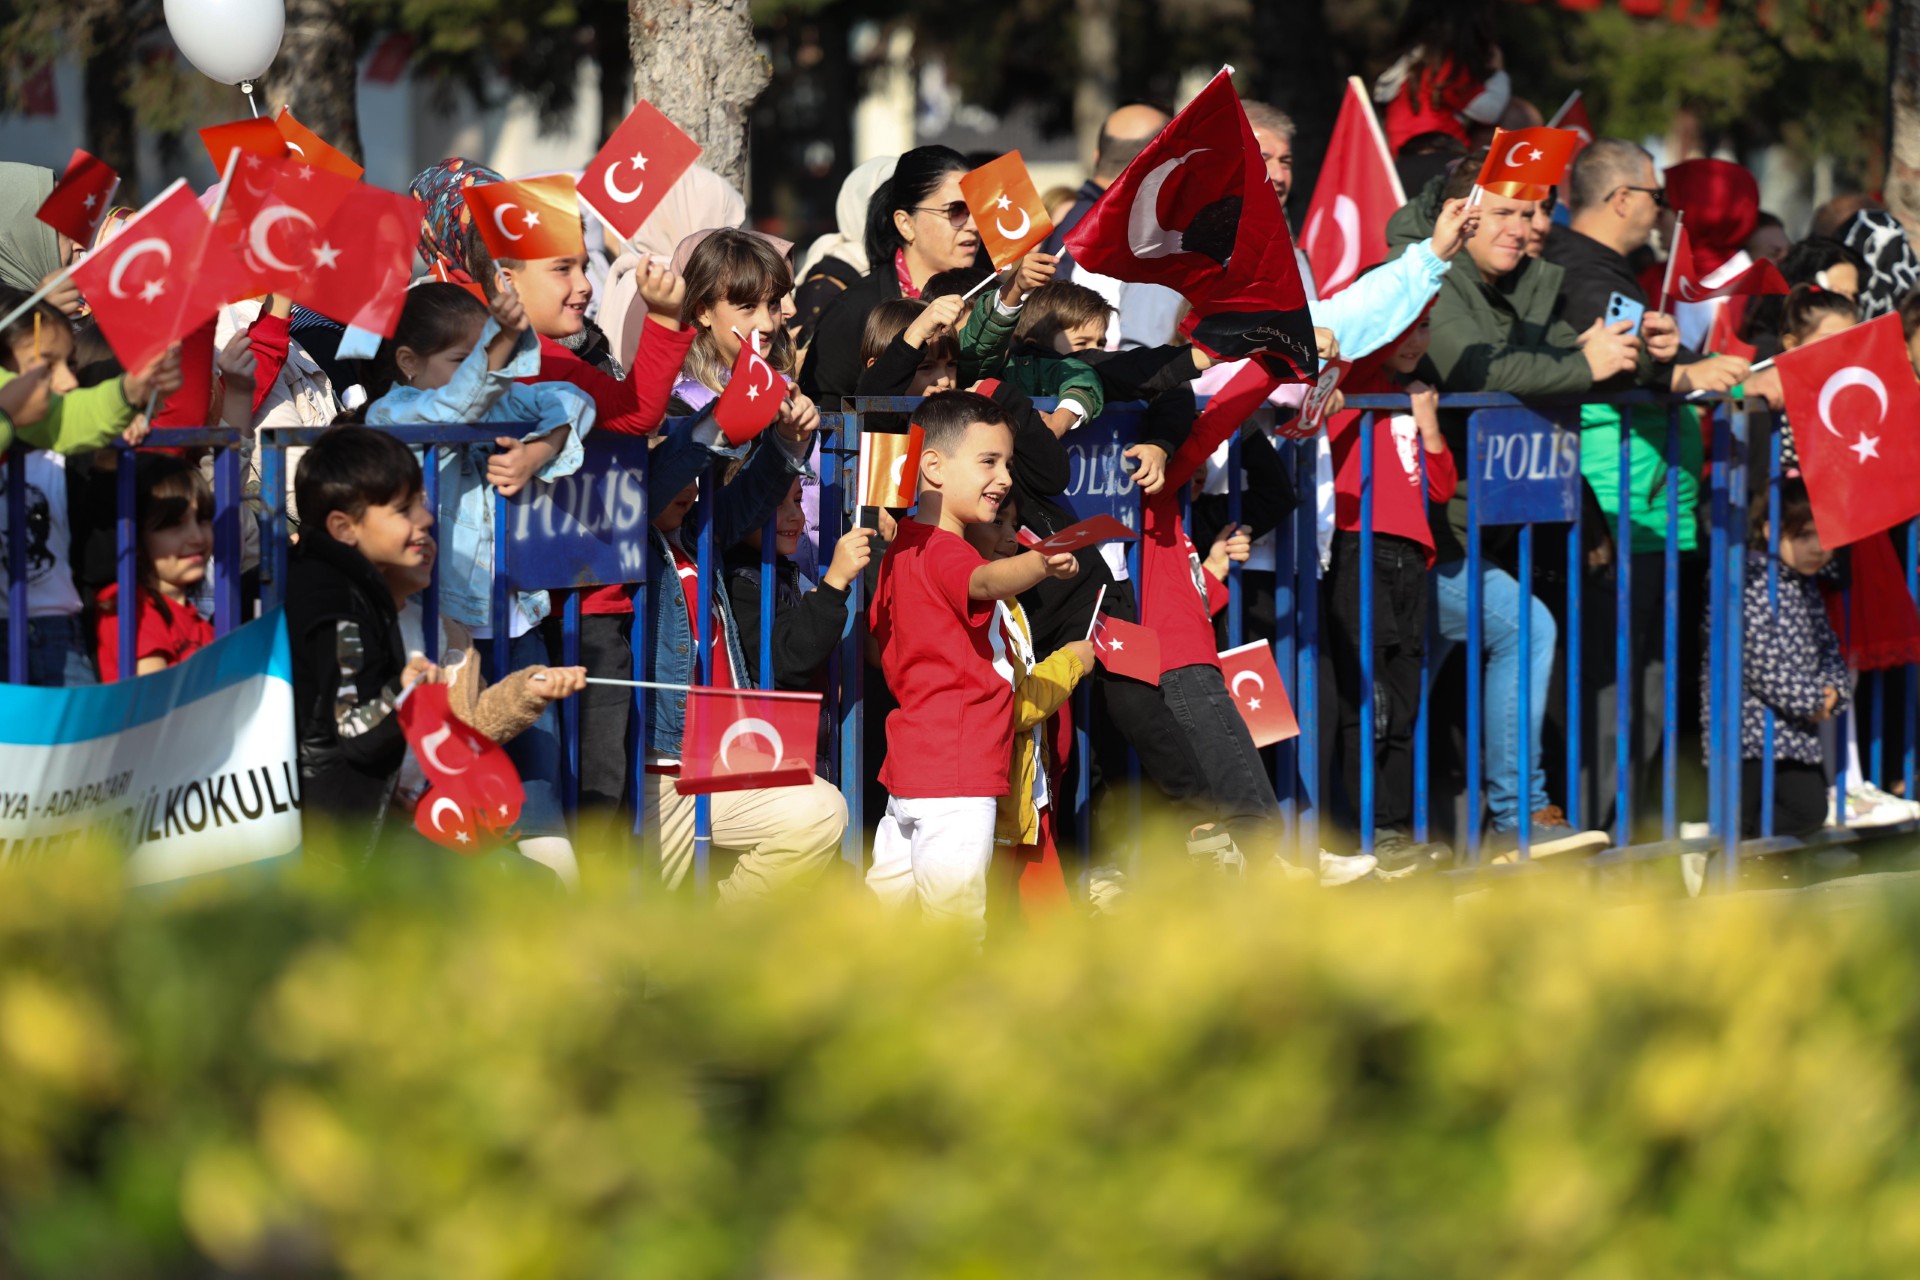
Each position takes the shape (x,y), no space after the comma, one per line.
(901,274)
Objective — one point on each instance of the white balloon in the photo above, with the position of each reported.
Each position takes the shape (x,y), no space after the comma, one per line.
(228,40)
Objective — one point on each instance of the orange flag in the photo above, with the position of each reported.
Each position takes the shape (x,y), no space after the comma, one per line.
(309,146)
(890,468)
(1007,209)
(533,218)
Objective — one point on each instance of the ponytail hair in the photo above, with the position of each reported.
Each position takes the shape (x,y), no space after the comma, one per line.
(1808,305)
(917,176)
(436,315)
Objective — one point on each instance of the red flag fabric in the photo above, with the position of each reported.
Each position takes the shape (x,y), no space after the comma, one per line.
(1194,212)
(81,198)
(890,467)
(1085,534)
(1358,190)
(313,149)
(1006,208)
(743,740)
(1312,418)
(1127,648)
(445,821)
(1855,410)
(534,218)
(1231,406)
(257,136)
(1523,164)
(271,215)
(1573,115)
(463,767)
(633,173)
(1254,681)
(148,285)
(752,399)
(362,259)
(1692,285)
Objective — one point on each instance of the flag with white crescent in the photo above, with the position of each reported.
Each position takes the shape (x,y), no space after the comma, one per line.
(148,285)
(362,261)
(1737,276)
(310,148)
(532,218)
(255,136)
(1006,208)
(1127,648)
(1855,413)
(1253,678)
(1573,115)
(752,397)
(633,173)
(1524,164)
(463,767)
(271,218)
(747,739)
(1357,191)
(890,468)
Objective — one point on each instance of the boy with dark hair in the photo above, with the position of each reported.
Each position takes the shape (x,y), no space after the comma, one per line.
(950,742)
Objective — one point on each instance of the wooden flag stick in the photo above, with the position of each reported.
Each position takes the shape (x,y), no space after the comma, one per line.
(1666,283)
(968,296)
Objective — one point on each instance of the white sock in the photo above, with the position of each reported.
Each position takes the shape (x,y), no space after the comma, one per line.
(1855,774)
(555,852)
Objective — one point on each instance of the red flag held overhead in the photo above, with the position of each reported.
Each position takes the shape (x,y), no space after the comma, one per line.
(310,147)
(258,137)
(148,285)
(1006,208)
(362,259)
(533,218)
(1524,164)
(81,198)
(744,740)
(1855,410)
(640,163)
(1358,190)
(752,399)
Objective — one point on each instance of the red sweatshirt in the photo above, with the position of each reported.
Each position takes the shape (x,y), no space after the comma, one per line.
(1397,505)
(269,338)
(1178,597)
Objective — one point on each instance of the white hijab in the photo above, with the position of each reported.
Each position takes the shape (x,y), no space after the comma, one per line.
(849,243)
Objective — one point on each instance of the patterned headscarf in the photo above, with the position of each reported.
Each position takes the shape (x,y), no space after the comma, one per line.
(443,237)
(1892,267)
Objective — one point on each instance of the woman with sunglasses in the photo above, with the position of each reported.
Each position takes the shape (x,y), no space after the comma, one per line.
(917,227)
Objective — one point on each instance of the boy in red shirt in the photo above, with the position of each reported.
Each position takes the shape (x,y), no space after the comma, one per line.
(950,741)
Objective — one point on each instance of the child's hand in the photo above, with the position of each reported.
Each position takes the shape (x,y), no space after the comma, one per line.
(419,670)
(507,311)
(799,418)
(1425,403)
(889,527)
(161,379)
(1152,471)
(1453,228)
(518,461)
(941,313)
(237,365)
(26,398)
(555,683)
(1327,345)
(1829,699)
(1062,565)
(139,431)
(662,289)
(1034,270)
(1083,650)
(65,296)
(851,556)
(1233,546)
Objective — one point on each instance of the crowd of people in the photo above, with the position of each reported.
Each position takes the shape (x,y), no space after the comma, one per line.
(974,642)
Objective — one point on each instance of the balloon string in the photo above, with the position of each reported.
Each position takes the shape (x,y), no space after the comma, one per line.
(246,87)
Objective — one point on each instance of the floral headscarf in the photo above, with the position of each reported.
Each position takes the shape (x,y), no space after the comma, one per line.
(443,236)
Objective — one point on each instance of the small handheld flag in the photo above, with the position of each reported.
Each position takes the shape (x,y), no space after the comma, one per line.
(1006,208)
(744,740)
(752,399)
(1254,681)
(890,468)
(81,198)
(1127,648)
(310,148)
(533,218)
(635,169)
(1524,164)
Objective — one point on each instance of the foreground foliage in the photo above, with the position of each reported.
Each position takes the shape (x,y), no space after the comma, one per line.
(463,1075)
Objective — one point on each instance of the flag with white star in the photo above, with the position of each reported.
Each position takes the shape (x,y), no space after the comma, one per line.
(1524,164)
(1253,680)
(1006,208)
(360,260)
(633,173)
(752,398)
(81,198)
(1127,648)
(530,219)
(149,285)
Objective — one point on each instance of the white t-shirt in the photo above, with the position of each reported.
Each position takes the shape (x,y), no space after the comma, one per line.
(50,589)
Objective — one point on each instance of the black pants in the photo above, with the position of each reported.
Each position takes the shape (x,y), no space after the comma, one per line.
(1799,798)
(606,766)
(1399,640)
(1132,713)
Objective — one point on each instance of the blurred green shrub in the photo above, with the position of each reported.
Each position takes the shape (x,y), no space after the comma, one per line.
(462,1075)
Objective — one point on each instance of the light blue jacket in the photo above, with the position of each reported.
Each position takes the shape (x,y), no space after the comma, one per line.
(1382,304)
(479,394)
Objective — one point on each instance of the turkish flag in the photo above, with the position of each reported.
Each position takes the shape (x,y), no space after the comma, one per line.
(1254,681)
(464,768)
(315,150)
(1127,648)
(446,821)
(1689,285)
(890,468)
(257,136)
(361,261)
(746,739)
(1573,115)
(633,173)
(533,218)
(1194,212)
(752,399)
(1523,164)
(1006,208)
(271,216)
(1855,410)
(1085,534)
(148,286)
(1358,190)
(81,198)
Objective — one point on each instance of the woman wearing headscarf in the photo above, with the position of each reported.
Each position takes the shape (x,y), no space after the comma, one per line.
(30,250)
(1720,202)
(836,261)
(1892,268)
(700,200)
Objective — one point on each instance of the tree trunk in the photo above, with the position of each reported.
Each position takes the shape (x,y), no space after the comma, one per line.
(1096,81)
(317,72)
(696,61)
(1903,87)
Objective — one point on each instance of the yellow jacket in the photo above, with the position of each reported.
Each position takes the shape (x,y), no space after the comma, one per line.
(1039,690)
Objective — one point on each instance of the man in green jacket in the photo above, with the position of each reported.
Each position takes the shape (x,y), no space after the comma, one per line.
(1496,327)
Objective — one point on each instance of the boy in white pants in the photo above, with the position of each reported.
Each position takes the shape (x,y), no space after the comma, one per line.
(951,740)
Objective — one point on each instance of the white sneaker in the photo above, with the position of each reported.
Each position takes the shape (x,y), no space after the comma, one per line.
(1868,806)
(1210,842)
(1106,887)
(1867,791)
(1336,870)
(1695,830)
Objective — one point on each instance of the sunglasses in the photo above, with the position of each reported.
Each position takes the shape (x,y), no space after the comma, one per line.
(1659,194)
(956,213)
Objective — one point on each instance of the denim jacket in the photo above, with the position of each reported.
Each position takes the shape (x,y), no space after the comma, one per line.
(480,394)
(687,450)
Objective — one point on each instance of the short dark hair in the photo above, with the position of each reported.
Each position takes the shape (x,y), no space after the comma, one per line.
(168,488)
(22,329)
(1910,314)
(944,418)
(958,280)
(349,469)
(1807,305)
(1465,175)
(1602,169)
(892,318)
(1796,514)
(1053,309)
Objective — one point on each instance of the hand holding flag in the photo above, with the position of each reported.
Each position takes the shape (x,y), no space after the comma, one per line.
(152,284)
(1685,282)
(752,399)
(473,786)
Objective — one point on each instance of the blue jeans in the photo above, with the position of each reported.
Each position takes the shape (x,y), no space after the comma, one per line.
(1500,627)
(58,653)
(535,752)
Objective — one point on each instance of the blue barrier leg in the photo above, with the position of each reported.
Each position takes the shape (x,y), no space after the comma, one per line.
(1286,755)
(1670,641)
(430,602)
(18,618)
(1718,596)
(1307,655)
(570,709)
(840,503)
(1843,723)
(1524,730)
(1878,729)
(1422,757)
(1913,670)
(226,541)
(126,572)
(1476,692)
(1624,683)
(709,637)
(1368,745)
(769,565)
(273,539)
(1236,603)
(1734,567)
(1773,604)
(503,609)
(1576,581)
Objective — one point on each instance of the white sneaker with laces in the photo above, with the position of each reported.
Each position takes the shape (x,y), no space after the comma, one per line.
(1867,808)
(1867,791)
(1336,870)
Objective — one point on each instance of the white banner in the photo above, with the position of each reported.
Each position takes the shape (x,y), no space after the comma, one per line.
(189,770)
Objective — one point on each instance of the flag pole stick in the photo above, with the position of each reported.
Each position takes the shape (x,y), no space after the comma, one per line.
(1666,282)
(39,295)
(630,684)
(1565,107)
(969,294)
